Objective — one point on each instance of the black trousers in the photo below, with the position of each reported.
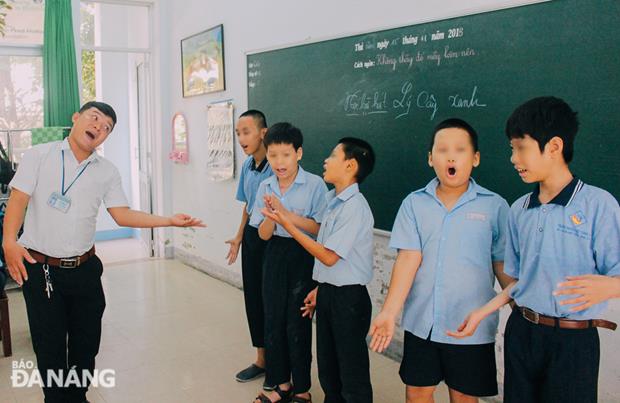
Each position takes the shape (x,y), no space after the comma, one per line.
(66,328)
(288,336)
(549,364)
(252,253)
(342,323)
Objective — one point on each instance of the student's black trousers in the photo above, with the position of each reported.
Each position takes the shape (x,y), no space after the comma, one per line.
(287,281)
(342,323)
(252,253)
(66,328)
(549,364)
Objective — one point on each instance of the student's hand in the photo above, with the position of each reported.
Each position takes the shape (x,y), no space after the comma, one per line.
(184,220)
(274,203)
(278,216)
(590,289)
(309,304)
(382,331)
(469,325)
(14,254)
(233,251)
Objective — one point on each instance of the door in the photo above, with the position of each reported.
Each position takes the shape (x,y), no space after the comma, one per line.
(144,154)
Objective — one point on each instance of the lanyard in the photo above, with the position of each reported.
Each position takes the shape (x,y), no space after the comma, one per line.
(64,192)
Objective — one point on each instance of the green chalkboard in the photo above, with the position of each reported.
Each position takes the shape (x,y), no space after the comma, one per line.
(392,87)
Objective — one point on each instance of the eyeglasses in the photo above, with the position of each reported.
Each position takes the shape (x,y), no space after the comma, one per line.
(94,117)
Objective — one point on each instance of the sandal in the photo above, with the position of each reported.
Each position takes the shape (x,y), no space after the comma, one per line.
(285,396)
(299,399)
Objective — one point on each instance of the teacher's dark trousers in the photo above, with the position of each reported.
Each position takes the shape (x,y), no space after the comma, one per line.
(65,328)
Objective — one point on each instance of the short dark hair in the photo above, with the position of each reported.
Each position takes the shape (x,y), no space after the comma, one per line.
(542,119)
(455,123)
(258,116)
(284,133)
(360,151)
(102,107)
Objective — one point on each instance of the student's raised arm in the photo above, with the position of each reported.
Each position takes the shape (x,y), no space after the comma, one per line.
(498,247)
(285,218)
(403,275)
(591,289)
(471,322)
(506,272)
(235,243)
(406,239)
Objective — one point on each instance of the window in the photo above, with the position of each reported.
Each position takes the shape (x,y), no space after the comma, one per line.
(23,23)
(21,92)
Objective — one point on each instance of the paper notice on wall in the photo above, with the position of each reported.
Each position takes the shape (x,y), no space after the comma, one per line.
(220,144)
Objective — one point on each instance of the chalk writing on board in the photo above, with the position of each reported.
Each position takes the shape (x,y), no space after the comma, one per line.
(383,44)
(438,36)
(410,40)
(472,101)
(406,59)
(363,103)
(402,104)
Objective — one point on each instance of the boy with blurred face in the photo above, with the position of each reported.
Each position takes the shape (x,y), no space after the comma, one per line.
(59,187)
(343,267)
(450,241)
(563,259)
(251,129)
(288,267)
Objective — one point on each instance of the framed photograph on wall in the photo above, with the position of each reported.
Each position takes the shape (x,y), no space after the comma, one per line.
(202,61)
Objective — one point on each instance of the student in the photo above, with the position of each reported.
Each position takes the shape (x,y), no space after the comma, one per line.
(251,129)
(450,241)
(563,236)
(287,267)
(60,186)
(343,267)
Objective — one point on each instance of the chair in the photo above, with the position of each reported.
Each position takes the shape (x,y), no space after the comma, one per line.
(5,326)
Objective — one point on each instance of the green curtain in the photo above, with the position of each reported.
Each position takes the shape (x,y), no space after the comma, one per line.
(61,96)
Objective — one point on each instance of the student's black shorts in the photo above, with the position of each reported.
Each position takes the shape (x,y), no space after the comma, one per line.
(469,369)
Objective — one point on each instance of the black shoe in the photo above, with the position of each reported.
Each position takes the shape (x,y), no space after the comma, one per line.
(250,373)
(268,387)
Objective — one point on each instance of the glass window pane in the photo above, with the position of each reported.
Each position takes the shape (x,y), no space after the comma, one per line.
(89,76)
(114,25)
(21,92)
(23,22)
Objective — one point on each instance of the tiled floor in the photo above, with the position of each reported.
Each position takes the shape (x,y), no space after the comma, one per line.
(172,334)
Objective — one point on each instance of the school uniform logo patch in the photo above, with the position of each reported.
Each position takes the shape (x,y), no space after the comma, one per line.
(578,218)
(477,216)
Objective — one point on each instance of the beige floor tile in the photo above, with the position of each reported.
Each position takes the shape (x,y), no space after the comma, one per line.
(173,334)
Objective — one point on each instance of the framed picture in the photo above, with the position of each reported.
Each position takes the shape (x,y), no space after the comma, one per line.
(202,61)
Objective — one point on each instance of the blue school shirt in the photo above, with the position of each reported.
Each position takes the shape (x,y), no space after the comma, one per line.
(458,248)
(305,197)
(346,228)
(251,176)
(576,233)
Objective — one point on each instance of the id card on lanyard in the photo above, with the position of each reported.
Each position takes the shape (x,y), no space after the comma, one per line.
(60,201)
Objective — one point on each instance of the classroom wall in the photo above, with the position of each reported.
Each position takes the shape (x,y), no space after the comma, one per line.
(259,25)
